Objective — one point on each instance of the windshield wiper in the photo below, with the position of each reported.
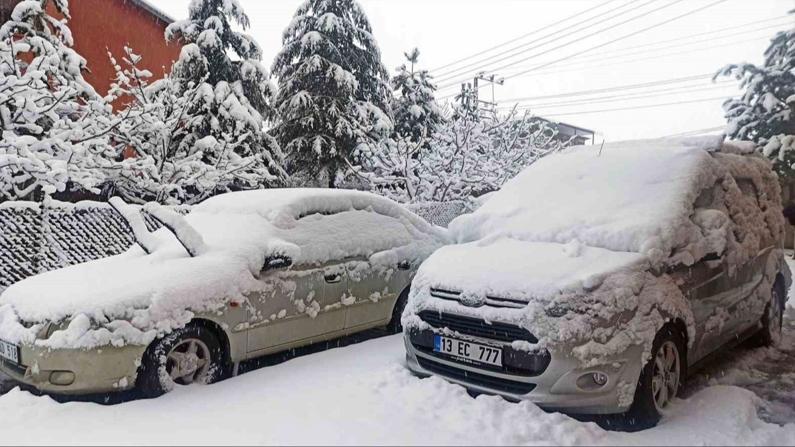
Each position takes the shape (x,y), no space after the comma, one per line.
(135,221)
(190,239)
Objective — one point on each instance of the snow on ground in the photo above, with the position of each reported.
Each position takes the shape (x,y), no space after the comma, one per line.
(362,394)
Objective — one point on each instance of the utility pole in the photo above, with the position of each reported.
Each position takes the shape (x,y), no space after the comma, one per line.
(494,81)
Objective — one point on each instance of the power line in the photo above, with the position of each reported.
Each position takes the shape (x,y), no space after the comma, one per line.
(635,33)
(587,36)
(648,106)
(457,72)
(584,63)
(697,132)
(628,97)
(522,36)
(618,88)
(577,66)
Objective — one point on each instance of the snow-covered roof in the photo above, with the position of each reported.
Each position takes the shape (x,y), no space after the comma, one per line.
(155,11)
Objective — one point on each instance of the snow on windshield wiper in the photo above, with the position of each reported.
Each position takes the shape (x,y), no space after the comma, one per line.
(132,216)
(190,239)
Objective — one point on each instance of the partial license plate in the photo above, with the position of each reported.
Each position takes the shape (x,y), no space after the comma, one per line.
(467,350)
(9,351)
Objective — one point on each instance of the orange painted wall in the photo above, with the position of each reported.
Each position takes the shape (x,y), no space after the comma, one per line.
(101,25)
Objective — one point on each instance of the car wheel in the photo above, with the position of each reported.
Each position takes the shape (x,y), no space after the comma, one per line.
(773,318)
(187,356)
(395,326)
(660,379)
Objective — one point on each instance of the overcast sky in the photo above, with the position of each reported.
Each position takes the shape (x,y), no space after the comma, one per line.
(446,31)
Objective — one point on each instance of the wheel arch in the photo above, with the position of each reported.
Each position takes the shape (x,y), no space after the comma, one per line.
(216,329)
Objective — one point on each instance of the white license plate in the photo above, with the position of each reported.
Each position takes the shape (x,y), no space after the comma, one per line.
(466,350)
(9,351)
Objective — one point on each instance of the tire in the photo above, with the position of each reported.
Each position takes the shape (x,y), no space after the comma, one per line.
(395,326)
(773,318)
(651,399)
(201,355)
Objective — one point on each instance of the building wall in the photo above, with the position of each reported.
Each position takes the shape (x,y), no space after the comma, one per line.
(101,25)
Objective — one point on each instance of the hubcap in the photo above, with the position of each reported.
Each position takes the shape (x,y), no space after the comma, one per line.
(188,362)
(666,375)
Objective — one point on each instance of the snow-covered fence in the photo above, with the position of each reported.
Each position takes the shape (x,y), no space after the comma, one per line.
(39,237)
(440,213)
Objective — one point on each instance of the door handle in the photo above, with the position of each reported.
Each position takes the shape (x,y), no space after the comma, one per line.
(333,279)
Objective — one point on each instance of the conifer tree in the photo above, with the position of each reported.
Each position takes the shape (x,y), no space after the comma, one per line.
(334,92)
(416,112)
(220,69)
(765,113)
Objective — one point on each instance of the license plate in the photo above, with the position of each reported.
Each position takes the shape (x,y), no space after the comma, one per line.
(467,350)
(9,351)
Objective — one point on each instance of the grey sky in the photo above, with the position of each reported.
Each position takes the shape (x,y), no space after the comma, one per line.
(448,30)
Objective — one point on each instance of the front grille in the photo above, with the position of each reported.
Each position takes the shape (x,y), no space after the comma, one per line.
(477,328)
(490,301)
(490,382)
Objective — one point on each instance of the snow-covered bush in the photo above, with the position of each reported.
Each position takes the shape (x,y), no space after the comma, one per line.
(54,125)
(155,127)
(227,95)
(333,89)
(765,113)
(468,156)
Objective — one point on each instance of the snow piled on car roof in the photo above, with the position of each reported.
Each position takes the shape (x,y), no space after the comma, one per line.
(133,297)
(629,196)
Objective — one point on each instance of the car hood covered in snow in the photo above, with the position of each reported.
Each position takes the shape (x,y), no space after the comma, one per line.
(135,295)
(525,271)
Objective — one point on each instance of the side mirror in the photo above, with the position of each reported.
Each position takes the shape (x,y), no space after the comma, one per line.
(277,262)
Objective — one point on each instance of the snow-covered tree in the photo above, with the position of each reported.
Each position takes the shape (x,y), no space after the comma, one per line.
(219,69)
(765,113)
(334,93)
(416,112)
(54,125)
(162,170)
(468,156)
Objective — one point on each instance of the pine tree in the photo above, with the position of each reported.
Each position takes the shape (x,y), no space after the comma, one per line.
(416,112)
(765,113)
(220,70)
(54,125)
(334,93)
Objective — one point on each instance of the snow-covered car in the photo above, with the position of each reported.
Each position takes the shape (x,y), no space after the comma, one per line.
(594,280)
(243,275)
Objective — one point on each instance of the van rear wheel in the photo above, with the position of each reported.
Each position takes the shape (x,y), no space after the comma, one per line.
(395,326)
(660,379)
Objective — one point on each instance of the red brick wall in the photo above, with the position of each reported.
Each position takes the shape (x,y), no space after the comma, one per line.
(101,25)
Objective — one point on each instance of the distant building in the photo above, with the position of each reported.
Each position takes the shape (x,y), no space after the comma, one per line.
(574,134)
(99,26)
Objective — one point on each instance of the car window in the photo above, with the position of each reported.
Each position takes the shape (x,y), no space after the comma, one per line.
(349,234)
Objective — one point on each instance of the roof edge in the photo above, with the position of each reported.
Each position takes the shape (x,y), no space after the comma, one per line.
(154,10)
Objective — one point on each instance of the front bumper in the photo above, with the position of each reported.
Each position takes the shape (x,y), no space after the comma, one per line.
(554,388)
(76,372)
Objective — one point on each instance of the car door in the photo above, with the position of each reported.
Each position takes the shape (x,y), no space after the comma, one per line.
(375,289)
(296,306)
